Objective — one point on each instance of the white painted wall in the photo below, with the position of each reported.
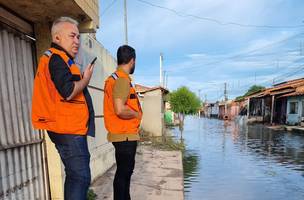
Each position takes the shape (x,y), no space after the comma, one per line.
(102,152)
(153,113)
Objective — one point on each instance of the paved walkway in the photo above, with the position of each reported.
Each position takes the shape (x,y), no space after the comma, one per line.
(158,175)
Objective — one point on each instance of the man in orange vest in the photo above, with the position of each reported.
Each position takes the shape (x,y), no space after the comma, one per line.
(122,116)
(62,105)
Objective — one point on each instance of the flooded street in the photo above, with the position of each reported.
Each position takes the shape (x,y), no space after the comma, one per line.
(233,161)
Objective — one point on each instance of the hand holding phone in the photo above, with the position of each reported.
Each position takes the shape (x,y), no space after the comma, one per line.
(89,69)
(92,63)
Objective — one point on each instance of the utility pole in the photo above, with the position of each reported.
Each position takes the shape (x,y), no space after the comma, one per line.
(199,96)
(161,69)
(199,93)
(164,78)
(225,92)
(126,22)
(226,99)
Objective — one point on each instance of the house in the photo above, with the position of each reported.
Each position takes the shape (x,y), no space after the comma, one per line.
(270,105)
(295,106)
(234,110)
(211,110)
(229,110)
(224,110)
(241,107)
(153,106)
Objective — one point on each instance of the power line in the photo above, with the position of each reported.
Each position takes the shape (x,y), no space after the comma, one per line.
(108,7)
(284,76)
(244,54)
(186,15)
(301,67)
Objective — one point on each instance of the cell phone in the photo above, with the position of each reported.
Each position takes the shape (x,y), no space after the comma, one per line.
(93,61)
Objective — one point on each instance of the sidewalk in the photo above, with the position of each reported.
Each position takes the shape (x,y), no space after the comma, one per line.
(158,175)
(296,129)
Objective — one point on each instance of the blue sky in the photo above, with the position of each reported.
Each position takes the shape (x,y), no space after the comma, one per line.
(202,54)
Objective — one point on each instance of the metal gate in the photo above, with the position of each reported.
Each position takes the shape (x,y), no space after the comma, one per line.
(22,161)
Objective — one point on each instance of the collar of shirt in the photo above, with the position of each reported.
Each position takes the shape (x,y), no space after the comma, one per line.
(56,46)
(123,71)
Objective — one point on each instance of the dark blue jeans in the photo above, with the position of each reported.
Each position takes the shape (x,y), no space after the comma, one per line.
(74,153)
(125,161)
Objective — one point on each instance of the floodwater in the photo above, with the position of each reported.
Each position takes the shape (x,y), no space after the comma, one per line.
(234,161)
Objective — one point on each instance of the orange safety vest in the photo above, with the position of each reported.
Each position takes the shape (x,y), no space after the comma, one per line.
(113,123)
(52,112)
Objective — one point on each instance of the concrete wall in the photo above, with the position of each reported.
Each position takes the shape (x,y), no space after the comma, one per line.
(293,119)
(153,113)
(102,152)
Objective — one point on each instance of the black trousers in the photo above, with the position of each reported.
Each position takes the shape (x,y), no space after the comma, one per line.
(125,161)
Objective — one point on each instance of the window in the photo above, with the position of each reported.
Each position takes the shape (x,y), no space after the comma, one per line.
(293,107)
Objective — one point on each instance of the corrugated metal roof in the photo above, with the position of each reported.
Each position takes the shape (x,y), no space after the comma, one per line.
(144,89)
(298,92)
(141,88)
(292,87)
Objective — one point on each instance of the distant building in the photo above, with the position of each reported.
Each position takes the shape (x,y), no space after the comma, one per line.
(153,105)
(279,104)
(295,107)
(211,110)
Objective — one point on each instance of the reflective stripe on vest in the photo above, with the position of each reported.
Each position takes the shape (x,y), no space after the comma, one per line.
(113,123)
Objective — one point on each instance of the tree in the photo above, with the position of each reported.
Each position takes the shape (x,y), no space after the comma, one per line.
(253,89)
(184,102)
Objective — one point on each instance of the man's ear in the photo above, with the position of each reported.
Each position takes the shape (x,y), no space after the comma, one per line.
(56,38)
(130,62)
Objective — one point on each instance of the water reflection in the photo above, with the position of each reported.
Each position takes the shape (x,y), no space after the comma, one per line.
(228,160)
(190,162)
(285,148)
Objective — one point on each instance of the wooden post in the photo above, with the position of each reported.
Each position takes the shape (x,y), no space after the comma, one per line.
(248,108)
(272,110)
(263,109)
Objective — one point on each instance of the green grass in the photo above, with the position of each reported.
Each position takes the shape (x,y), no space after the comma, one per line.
(91,195)
(163,142)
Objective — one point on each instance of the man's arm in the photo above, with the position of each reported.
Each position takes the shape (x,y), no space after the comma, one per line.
(66,84)
(123,111)
(81,84)
(120,95)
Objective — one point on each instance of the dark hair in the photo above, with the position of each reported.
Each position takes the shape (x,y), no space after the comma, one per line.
(124,54)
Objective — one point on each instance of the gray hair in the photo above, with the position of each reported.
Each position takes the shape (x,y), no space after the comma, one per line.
(60,20)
